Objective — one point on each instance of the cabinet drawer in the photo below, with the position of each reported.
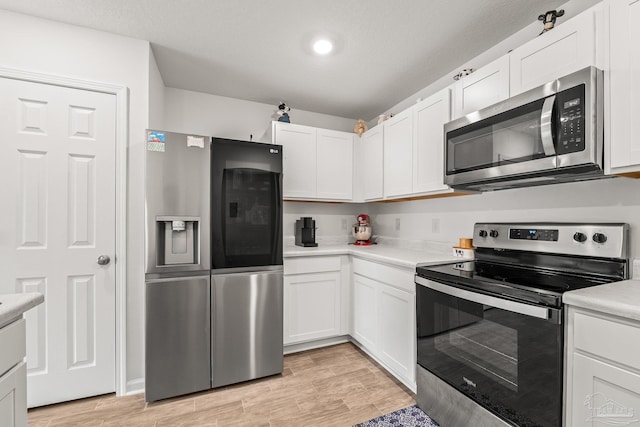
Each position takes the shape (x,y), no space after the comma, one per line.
(12,343)
(317,264)
(396,277)
(616,341)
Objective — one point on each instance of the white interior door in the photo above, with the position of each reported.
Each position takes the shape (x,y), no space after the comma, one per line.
(57,163)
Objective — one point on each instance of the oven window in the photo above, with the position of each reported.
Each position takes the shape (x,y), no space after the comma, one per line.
(507,138)
(509,363)
(486,345)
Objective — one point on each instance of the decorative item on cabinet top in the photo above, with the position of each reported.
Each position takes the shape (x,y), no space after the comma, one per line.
(283,113)
(383,117)
(549,19)
(360,127)
(463,73)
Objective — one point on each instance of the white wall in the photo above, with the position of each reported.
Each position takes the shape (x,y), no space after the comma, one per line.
(57,49)
(156,95)
(204,114)
(605,200)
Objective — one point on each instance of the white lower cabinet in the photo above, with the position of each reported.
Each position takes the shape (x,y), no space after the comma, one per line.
(365,316)
(384,316)
(13,375)
(313,291)
(603,369)
(396,324)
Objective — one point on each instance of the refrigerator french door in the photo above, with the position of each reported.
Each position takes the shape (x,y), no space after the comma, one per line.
(177,265)
(246,261)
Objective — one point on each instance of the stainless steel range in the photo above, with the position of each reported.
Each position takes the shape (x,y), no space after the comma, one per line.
(490,331)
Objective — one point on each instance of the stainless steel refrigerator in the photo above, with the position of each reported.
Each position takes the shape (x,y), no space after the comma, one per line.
(213,263)
(177,265)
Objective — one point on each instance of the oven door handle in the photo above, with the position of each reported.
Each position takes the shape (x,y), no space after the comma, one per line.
(546,131)
(505,304)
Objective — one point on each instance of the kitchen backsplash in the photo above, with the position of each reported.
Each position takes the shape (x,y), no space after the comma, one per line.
(421,223)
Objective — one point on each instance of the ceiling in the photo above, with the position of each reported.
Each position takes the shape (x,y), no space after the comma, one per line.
(259,50)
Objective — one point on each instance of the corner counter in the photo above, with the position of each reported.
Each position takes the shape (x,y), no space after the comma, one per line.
(396,256)
(13,369)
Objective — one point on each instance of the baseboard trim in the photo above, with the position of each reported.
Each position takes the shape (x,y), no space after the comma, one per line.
(311,345)
(135,387)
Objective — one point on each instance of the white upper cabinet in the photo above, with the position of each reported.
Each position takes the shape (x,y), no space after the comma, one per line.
(624,111)
(298,159)
(317,163)
(370,163)
(569,47)
(334,164)
(484,87)
(429,117)
(398,155)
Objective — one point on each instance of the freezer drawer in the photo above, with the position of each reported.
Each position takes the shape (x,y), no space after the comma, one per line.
(246,326)
(178,339)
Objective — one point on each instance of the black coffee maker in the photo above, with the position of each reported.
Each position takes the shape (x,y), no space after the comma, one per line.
(306,232)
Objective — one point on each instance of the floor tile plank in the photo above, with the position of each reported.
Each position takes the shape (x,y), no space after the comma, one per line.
(331,386)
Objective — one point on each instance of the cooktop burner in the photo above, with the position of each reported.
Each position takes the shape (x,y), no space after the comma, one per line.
(538,262)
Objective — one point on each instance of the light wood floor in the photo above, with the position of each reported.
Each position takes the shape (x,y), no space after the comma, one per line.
(332,386)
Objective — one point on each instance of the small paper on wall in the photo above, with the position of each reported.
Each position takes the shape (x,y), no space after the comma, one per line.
(155,141)
(195,141)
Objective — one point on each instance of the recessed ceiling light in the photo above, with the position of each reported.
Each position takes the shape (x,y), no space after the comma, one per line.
(322,46)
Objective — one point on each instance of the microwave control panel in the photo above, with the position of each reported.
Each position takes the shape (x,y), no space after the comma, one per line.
(570,109)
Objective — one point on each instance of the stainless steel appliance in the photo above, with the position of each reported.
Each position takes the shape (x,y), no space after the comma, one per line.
(305,232)
(553,133)
(246,261)
(490,331)
(213,263)
(177,265)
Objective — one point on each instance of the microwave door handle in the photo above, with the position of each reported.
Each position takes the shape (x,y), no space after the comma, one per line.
(546,131)
(505,304)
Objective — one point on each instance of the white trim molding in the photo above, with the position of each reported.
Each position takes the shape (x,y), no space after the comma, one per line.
(122,142)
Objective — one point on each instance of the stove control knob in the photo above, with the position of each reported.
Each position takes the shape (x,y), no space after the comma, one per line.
(580,237)
(482,233)
(493,233)
(599,238)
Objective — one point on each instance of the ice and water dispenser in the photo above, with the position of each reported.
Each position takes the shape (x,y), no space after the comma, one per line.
(177,240)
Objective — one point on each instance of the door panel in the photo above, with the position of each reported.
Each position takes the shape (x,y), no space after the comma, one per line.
(246,326)
(57,157)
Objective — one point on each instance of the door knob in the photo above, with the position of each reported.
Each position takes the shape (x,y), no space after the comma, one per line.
(104,260)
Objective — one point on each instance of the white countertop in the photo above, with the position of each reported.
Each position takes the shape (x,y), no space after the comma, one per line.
(619,298)
(13,305)
(398,256)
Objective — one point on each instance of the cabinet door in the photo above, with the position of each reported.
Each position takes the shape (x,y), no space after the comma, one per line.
(397,331)
(370,163)
(334,165)
(569,47)
(312,307)
(484,87)
(602,393)
(365,314)
(13,397)
(624,126)
(299,160)
(398,155)
(429,117)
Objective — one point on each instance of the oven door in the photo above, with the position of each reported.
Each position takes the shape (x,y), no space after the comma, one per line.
(505,355)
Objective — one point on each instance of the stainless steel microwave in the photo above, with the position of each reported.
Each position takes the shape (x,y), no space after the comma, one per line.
(553,133)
